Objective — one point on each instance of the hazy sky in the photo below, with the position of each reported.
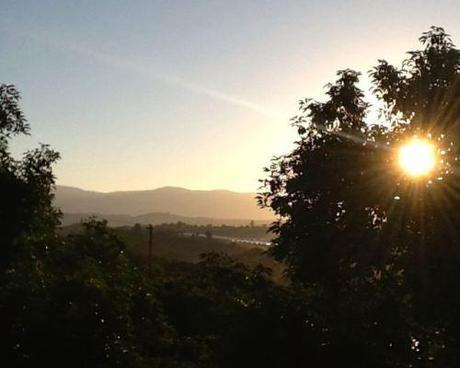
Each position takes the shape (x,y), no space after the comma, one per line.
(142,94)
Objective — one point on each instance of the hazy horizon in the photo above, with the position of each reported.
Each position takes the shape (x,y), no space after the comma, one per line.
(157,188)
(165,200)
(197,95)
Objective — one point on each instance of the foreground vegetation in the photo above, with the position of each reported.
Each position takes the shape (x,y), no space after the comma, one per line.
(373,278)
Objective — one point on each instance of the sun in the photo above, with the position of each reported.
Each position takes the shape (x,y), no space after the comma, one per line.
(417,157)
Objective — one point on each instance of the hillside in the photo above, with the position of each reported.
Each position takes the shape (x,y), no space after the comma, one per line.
(169,202)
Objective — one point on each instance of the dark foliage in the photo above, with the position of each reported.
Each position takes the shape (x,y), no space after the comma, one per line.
(378,249)
(82,300)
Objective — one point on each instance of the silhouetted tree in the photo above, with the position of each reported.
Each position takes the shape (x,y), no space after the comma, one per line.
(378,251)
(27,223)
(234,316)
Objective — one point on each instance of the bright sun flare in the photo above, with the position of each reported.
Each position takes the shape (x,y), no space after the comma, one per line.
(417,157)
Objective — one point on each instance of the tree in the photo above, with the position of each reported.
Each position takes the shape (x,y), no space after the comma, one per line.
(25,185)
(228,315)
(102,309)
(375,247)
(27,222)
(425,91)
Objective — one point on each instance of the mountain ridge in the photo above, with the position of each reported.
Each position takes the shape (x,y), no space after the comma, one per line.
(167,187)
(177,201)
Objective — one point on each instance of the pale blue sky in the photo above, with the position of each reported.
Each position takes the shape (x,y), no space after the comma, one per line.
(142,94)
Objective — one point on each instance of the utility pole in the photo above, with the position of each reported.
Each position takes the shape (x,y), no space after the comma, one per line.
(150,249)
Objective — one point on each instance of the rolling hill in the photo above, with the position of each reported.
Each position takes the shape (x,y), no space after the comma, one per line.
(162,205)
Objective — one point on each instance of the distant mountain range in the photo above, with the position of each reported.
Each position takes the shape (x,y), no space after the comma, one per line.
(162,205)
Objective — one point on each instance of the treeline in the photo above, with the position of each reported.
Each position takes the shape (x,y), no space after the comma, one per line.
(247,232)
(86,303)
(250,231)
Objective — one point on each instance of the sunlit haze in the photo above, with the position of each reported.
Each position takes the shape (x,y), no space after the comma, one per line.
(197,94)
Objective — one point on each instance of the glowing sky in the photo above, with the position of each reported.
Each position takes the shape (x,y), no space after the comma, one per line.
(143,94)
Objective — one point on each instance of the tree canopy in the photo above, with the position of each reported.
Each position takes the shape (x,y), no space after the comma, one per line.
(378,248)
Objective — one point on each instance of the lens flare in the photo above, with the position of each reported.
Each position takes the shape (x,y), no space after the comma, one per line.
(417,157)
